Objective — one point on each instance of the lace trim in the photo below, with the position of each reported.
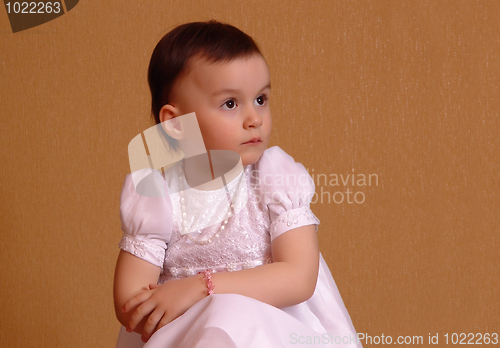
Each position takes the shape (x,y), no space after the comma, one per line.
(141,248)
(181,272)
(288,219)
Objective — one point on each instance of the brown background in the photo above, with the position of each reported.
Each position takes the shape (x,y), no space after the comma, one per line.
(407,90)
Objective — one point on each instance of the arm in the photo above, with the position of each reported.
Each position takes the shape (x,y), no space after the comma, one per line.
(143,306)
(132,277)
(147,225)
(289,280)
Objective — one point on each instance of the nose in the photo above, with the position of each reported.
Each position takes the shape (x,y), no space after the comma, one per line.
(252,118)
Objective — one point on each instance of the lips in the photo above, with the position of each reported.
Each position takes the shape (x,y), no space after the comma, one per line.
(253,141)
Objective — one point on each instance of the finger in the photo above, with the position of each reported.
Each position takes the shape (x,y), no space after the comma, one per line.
(164,322)
(151,323)
(140,313)
(153,286)
(167,319)
(136,300)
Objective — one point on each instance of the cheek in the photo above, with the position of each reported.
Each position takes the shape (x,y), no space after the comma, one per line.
(215,133)
(269,124)
(206,126)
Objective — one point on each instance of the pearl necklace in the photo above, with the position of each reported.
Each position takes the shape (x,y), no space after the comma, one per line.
(183,215)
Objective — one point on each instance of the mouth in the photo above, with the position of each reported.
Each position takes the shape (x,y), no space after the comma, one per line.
(253,141)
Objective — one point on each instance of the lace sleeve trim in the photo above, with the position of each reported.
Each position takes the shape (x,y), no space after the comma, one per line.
(292,219)
(143,250)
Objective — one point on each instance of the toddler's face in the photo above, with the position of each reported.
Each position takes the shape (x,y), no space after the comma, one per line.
(231,102)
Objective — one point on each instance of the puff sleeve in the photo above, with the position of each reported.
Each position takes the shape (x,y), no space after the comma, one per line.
(286,189)
(146,222)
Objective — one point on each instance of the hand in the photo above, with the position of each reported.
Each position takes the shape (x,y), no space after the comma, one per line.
(164,303)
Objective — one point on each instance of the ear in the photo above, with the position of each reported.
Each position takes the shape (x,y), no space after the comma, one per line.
(170,124)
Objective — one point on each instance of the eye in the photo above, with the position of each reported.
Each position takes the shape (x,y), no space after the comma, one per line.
(261,99)
(229,104)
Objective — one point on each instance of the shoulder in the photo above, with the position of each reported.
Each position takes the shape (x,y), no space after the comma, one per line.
(276,165)
(286,189)
(144,183)
(275,152)
(146,216)
(274,159)
(144,197)
(278,175)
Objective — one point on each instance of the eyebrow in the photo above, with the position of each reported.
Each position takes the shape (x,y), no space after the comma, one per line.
(231,90)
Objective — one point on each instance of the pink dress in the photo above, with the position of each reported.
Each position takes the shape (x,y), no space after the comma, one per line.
(272,197)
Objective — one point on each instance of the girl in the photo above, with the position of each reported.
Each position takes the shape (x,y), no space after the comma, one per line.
(221,265)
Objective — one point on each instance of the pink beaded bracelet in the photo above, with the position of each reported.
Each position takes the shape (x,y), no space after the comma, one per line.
(207,275)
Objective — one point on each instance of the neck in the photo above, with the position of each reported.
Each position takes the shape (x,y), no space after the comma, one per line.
(200,175)
(212,170)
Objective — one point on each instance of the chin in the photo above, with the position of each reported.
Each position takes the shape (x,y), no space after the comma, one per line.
(250,159)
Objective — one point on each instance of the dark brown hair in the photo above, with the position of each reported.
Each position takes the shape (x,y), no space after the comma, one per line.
(212,40)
